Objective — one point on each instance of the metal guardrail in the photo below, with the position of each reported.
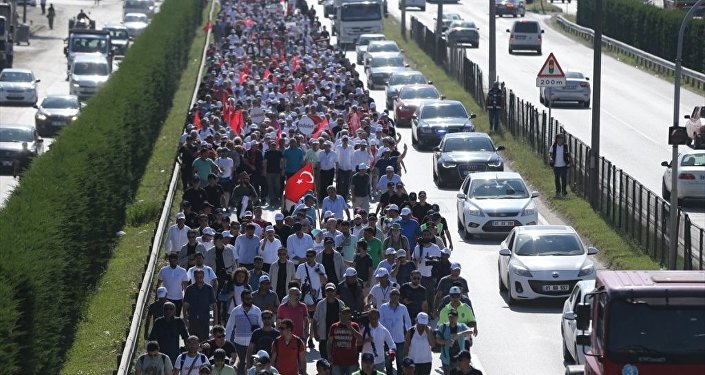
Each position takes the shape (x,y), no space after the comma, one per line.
(649,61)
(627,205)
(128,352)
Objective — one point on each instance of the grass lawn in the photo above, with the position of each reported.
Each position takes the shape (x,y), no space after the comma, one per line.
(105,320)
(616,251)
(543,7)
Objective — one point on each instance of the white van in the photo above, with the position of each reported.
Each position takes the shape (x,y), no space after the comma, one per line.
(88,74)
(525,35)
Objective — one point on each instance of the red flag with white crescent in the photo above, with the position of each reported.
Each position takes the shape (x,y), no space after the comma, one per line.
(299,183)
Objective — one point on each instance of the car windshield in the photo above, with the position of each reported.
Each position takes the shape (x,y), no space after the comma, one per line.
(363,41)
(463,24)
(694,160)
(444,111)
(16,135)
(574,75)
(526,27)
(90,69)
(16,77)
(383,47)
(451,16)
(467,144)
(60,102)
(498,189)
(361,12)
(118,34)
(89,45)
(657,332)
(137,4)
(702,112)
(419,93)
(534,244)
(407,79)
(387,61)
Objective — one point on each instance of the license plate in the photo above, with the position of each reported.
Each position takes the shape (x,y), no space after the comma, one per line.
(57,123)
(503,223)
(556,288)
(520,37)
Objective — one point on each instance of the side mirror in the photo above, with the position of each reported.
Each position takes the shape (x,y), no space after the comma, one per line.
(543,31)
(35,106)
(406,65)
(508,31)
(505,252)
(583,339)
(461,196)
(430,82)
(534,194)
(591,250)
(665,164)
(582,318)
(569,315)
(500,148)
(472,116)
(443,97)
(587,78)
(687,117)
(37,80)
(66,51)
(436,149)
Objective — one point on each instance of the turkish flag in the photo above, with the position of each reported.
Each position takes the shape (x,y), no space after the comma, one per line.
(295,63)
(299,86)
(354,122)
(321,125)
(197,120)
(208,27)
(242,77)
(266,74)
(299,183)
(236,121)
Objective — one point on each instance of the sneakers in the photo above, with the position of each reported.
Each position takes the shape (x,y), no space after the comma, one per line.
(558,196)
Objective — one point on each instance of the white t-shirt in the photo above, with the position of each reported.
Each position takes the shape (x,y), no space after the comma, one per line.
(172,279)
(313,272)
(559,161)
(380,294)
(226,165)
(190,363)
(269,252)
(421,253)
(208,274)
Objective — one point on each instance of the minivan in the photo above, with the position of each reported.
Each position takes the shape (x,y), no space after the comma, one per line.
(88,74)
(525,35)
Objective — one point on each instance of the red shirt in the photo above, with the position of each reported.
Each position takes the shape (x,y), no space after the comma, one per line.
(296,314)
(344,345)
(287,361)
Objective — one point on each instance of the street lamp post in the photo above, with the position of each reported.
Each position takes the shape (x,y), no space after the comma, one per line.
(493,44)
(673,227)
(596,90)
(439,30)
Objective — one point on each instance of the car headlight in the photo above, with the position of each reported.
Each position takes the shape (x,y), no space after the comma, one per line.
(74,118)
(41,117)
(520,270)
(474,211)
(587,270)
(447,164)
(529,210)
(469,127)
(75,85)
(494,163)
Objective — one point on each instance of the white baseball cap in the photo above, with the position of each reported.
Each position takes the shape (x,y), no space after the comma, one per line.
(382,272)
(161,292)
(362,166)
(279,216)
(454,290)
(455,266)
(350,272)
(390,251)
(405,211)
(422,318)
(180,216)
(208,231)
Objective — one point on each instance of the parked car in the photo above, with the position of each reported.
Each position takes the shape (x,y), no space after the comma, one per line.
(494,203)
(55,112)
(135,23)
(448,18)
(433,119)
(11,139)
(513,8)
(525,35)
(576,89)
(362,42)
(400,79)
(18,86)
(691,176)
(408,99)
(695,126)
(543,261)
(460,154)
(572,352)
(463,32)
(120,38)
(421,4)
(382,67)
(379,48)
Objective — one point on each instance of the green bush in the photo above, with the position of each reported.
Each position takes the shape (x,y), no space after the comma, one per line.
(58,227)
(648,28)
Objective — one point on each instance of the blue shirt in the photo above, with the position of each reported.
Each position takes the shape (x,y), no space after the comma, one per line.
(337,206)
(395,320)
(294,157)
(411,229)
(246,248)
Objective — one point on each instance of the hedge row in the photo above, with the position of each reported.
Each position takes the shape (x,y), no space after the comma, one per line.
(648,28)
(58,227)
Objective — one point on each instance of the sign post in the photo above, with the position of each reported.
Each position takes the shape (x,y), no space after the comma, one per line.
(550,75)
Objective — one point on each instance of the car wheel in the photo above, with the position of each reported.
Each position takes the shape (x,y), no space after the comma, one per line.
(511,301)
(515,15)
(586,104)
(664,192)
(511,50)
(440,183)
(502,287)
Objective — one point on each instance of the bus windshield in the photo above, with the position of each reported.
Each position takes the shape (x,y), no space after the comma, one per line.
(361,12)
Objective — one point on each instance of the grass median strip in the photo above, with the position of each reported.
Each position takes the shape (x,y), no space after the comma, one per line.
(102,329)
(615,251)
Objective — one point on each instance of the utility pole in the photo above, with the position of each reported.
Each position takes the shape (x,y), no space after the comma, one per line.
(403,18)
(597,79)
(673,227)
(439,30)
(493,44)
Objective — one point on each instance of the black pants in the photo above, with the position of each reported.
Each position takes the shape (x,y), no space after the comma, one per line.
(343,183)
(241,351)
(323,348)
(422,369)
(427,282)
(326,180)
(494,119)
(560,175)
(44,7)
(178,303)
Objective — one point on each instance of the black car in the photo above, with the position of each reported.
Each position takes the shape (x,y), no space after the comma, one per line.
(513,8)
(55,112)
(435,118)
(460,154)
(120,38)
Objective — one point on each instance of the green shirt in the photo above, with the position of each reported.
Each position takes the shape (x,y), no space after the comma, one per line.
(203,166)
(465,314)
(374,248)
(226,370)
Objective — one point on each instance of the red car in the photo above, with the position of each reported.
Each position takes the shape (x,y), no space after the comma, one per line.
(408,99)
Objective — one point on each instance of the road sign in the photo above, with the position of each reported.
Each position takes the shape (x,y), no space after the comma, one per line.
(551,74)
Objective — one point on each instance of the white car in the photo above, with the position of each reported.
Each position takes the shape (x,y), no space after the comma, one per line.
(691,176)
(380,48)
(18,86)
(695,126)
(572,352)
(135,23)
(494,203)
(543,261)
(363,42)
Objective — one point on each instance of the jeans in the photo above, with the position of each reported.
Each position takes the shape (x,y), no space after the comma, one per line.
(427,282)
(560,175)
(423,368)
(344,370)
(494,118)
(343,183)
(241,351)
(274,187)
(399,359)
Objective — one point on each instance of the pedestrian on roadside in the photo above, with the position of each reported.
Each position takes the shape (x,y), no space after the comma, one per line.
(220,367)
(559,159)
(153,362)
(262,338)
(368,366)
(167,330)
(43,4)
(51,14)
(244,319)
(453,337)
(327,312)
(175,279)
(493,104)
(190,361)
(219,342)
(342,342)
(288,350)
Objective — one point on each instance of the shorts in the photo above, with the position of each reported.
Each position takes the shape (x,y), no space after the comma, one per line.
(226,183)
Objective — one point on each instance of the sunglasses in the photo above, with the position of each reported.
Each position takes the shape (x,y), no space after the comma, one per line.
(191,236)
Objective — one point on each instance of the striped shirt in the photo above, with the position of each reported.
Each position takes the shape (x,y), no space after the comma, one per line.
(239,327)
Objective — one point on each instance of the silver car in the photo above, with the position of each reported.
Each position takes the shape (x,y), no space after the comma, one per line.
(363,41)
(382,67)
(380,47)
(525,35)
(691,176)
(576,89)
(572,352)
(18,86)
(400,79)
(463,32)
(448,18)
(11,139)
(135,23)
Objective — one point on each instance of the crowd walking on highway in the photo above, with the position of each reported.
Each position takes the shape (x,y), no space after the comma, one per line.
(354,268)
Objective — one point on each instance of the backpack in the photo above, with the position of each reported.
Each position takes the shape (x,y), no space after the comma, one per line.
(203,359)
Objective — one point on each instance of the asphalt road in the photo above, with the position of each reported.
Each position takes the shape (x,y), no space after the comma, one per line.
(45,57)
(636,108)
